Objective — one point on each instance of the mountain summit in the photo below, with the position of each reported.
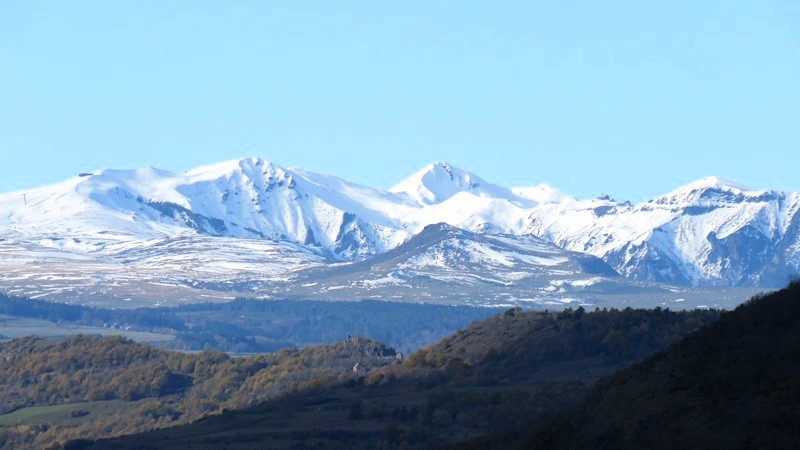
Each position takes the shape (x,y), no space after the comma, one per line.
(441,181)
(250,219)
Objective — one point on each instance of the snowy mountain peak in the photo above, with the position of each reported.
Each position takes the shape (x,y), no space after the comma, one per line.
(717,183)
(711,231)
(440,227)
(440,181)
(251,168)
(144,173)
(706,189)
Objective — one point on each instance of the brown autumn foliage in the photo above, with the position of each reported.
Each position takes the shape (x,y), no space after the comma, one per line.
(495,374)
(162,388)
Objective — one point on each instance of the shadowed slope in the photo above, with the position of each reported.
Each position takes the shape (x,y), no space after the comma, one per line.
(733,384)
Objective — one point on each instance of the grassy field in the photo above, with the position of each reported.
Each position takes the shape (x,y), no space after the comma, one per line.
(15,327)
(68,414)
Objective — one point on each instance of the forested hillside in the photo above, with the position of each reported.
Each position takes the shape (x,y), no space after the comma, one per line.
(734,384)
(493,375)
(258,326)
(151,388)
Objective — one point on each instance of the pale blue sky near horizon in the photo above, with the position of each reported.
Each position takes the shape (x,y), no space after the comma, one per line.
(629,98)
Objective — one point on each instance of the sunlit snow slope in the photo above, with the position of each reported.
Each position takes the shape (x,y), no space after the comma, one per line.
(251,226)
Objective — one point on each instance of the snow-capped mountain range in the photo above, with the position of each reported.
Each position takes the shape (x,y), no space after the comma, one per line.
(265,221)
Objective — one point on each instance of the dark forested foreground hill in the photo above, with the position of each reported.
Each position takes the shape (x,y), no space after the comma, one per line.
(733,384)
(495,374)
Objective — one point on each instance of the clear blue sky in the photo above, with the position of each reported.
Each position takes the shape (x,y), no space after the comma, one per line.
(626,98)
